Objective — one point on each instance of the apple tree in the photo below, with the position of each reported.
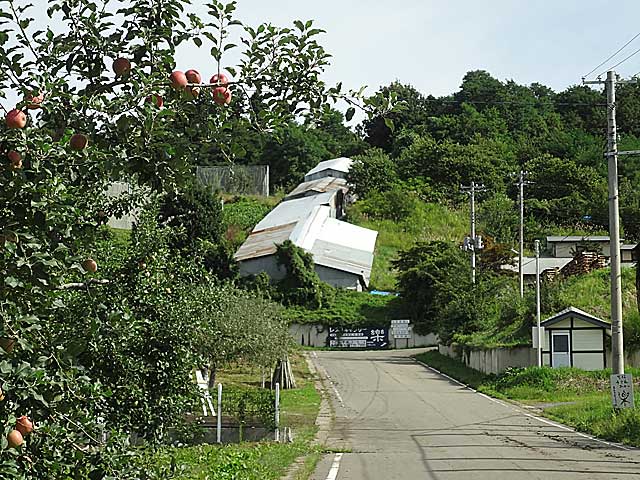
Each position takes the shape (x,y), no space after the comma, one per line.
(97,102)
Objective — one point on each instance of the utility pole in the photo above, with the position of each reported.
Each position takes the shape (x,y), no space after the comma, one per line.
(521,183)
(473,243)
(617,347)
(537,244)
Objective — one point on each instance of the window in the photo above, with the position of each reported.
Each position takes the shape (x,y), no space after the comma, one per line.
(561,343)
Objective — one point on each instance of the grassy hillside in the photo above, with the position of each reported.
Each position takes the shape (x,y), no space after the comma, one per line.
(348,308)
(425,221)
(588,292)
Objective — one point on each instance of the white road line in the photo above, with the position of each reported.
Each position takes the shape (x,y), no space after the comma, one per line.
(335,467)
(519,410)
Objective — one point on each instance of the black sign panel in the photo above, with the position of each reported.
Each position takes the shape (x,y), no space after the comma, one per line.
(358,337)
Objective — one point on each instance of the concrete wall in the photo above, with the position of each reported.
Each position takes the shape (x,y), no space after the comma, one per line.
(567,249)
(315,335)
(493,360)
(496,360)
(338,278)
(268,264)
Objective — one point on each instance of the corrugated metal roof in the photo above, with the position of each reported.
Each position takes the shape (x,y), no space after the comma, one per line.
(342,164)
(321,185)
(263,242)
(293,210)
(577,238)
(529,264)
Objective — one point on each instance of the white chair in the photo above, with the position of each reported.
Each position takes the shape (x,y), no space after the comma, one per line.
(203,384)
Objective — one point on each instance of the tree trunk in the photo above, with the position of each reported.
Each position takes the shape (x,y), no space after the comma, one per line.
(212,375)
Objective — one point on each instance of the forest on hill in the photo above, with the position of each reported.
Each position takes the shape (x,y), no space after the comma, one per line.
(486,131)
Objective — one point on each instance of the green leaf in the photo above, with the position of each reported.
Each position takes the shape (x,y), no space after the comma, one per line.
(350,113)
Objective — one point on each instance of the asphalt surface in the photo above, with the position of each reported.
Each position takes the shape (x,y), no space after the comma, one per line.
(396,419)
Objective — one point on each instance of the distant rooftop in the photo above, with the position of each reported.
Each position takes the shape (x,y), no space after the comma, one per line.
(577,238)
(342,164)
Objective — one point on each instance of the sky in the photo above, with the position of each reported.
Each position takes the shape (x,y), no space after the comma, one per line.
(432,44)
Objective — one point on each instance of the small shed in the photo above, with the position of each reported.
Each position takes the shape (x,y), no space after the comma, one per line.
(574,338)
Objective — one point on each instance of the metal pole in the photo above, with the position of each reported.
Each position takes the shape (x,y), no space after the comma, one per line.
(521,251)
(537,244)
(617,348)
(473,232)
(219,429)
(277,419)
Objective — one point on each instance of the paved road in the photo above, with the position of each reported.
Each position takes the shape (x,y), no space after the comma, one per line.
(396,419)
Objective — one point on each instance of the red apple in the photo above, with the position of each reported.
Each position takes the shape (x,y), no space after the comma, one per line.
(78,142)
(193,76)
(16,119)
(178,80)
(90,265)
(220,78)
(222,95)
(34,101)
(15,158)
(121,66)
(156,99)
(15,439)
(24,425)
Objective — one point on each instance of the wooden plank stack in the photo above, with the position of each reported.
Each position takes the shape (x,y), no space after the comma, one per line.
(584,262)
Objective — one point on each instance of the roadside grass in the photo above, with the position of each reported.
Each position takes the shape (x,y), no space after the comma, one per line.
(582,398)
(254,460)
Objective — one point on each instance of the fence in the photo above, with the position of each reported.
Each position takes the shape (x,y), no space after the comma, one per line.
(236,179)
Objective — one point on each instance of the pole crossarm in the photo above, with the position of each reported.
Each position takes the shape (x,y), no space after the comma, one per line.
(626,152)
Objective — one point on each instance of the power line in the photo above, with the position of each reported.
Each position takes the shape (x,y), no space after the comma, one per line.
(612,56)
(621,62)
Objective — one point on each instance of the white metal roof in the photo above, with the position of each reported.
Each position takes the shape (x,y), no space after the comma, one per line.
(333,243)
(320,185)
(529,264)
(342,164)
(293,210)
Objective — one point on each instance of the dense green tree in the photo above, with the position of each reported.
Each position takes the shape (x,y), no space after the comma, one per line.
(372,170)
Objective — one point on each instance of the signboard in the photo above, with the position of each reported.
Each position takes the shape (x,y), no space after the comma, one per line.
(622,391)
(534,337)
(400,328)
(358,337)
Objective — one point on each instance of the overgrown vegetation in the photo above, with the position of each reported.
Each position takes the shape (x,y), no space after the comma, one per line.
(251,461)
(584,398)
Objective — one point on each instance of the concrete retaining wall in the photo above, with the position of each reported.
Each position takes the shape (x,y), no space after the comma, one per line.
(315,335)
(497,360)
(494,360)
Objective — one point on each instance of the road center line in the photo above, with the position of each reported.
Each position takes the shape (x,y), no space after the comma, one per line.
(335,467)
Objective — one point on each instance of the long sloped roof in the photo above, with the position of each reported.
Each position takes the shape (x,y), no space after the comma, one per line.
(333,243)
(320,185)
(293,210)
(342,164)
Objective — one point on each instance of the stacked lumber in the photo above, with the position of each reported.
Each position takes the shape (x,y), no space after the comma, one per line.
(584,262)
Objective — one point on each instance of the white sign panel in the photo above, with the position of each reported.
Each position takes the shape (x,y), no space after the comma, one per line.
(622,391)
(534,336)
(401,328)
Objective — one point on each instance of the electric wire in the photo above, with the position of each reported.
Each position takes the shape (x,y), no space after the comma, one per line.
(614,55)
(621,62)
